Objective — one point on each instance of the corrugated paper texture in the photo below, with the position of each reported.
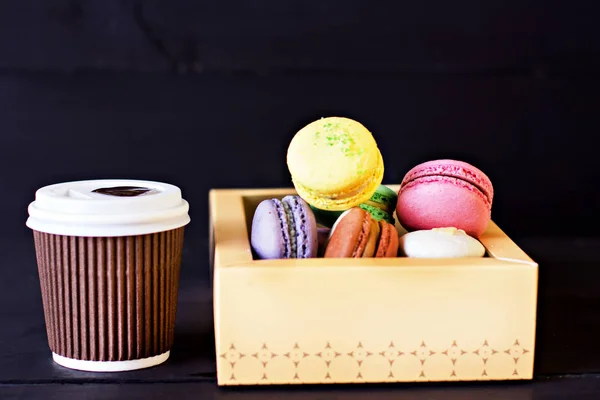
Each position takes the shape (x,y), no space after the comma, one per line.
(109,299)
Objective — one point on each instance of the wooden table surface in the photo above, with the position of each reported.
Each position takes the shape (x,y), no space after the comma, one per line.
(567,356)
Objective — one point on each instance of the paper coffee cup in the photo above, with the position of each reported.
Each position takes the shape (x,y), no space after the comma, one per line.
(109,255)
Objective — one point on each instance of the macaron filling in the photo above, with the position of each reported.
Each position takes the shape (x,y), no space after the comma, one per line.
(341,195)
(289,237)
(383,207)
(373,239)
(297,222)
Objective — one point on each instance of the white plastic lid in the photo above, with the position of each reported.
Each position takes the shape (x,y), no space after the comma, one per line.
(108,207)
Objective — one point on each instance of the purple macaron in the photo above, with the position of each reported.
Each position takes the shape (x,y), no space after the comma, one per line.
(284,228)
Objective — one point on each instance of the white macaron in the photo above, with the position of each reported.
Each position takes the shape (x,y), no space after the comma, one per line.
(440,243)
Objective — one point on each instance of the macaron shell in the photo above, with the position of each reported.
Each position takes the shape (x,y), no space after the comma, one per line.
(432,202)
(349,235)
(435,244)
(388,241)
(334,163)
(267,235)
(363,239)
(337,222)
(452,168)
(305,229)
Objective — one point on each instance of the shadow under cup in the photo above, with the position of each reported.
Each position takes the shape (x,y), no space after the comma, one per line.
(110,302)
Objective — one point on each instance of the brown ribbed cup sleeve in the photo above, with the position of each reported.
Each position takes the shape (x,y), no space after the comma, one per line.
(109,299)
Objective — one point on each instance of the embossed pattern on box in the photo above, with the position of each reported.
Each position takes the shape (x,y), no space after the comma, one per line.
(362,358)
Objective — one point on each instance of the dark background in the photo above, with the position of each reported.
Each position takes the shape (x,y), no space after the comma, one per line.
(207,94)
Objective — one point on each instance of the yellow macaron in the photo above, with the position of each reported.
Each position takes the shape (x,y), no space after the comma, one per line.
(335,163)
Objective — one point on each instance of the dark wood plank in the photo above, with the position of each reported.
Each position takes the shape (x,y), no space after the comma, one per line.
(433,35)
(568,304)
(568,326)
(580,388)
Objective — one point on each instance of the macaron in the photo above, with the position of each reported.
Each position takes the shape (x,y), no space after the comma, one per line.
(444,193)
(335,163)
(447,242)
(356,234)
(381,206)
(284,228)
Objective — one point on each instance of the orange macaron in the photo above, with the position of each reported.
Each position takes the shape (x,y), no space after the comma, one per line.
(356,234)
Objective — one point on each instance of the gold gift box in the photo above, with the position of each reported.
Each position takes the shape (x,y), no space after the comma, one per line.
(306,321)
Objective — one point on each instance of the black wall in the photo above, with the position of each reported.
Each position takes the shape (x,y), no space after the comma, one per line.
(208,94)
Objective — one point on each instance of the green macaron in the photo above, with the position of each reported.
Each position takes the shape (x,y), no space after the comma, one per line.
(381,206)
(377,213)
(385,198)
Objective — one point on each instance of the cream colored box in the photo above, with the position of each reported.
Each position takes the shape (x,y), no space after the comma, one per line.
(366,320)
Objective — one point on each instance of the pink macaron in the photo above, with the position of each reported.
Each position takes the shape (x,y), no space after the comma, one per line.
(445,193)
